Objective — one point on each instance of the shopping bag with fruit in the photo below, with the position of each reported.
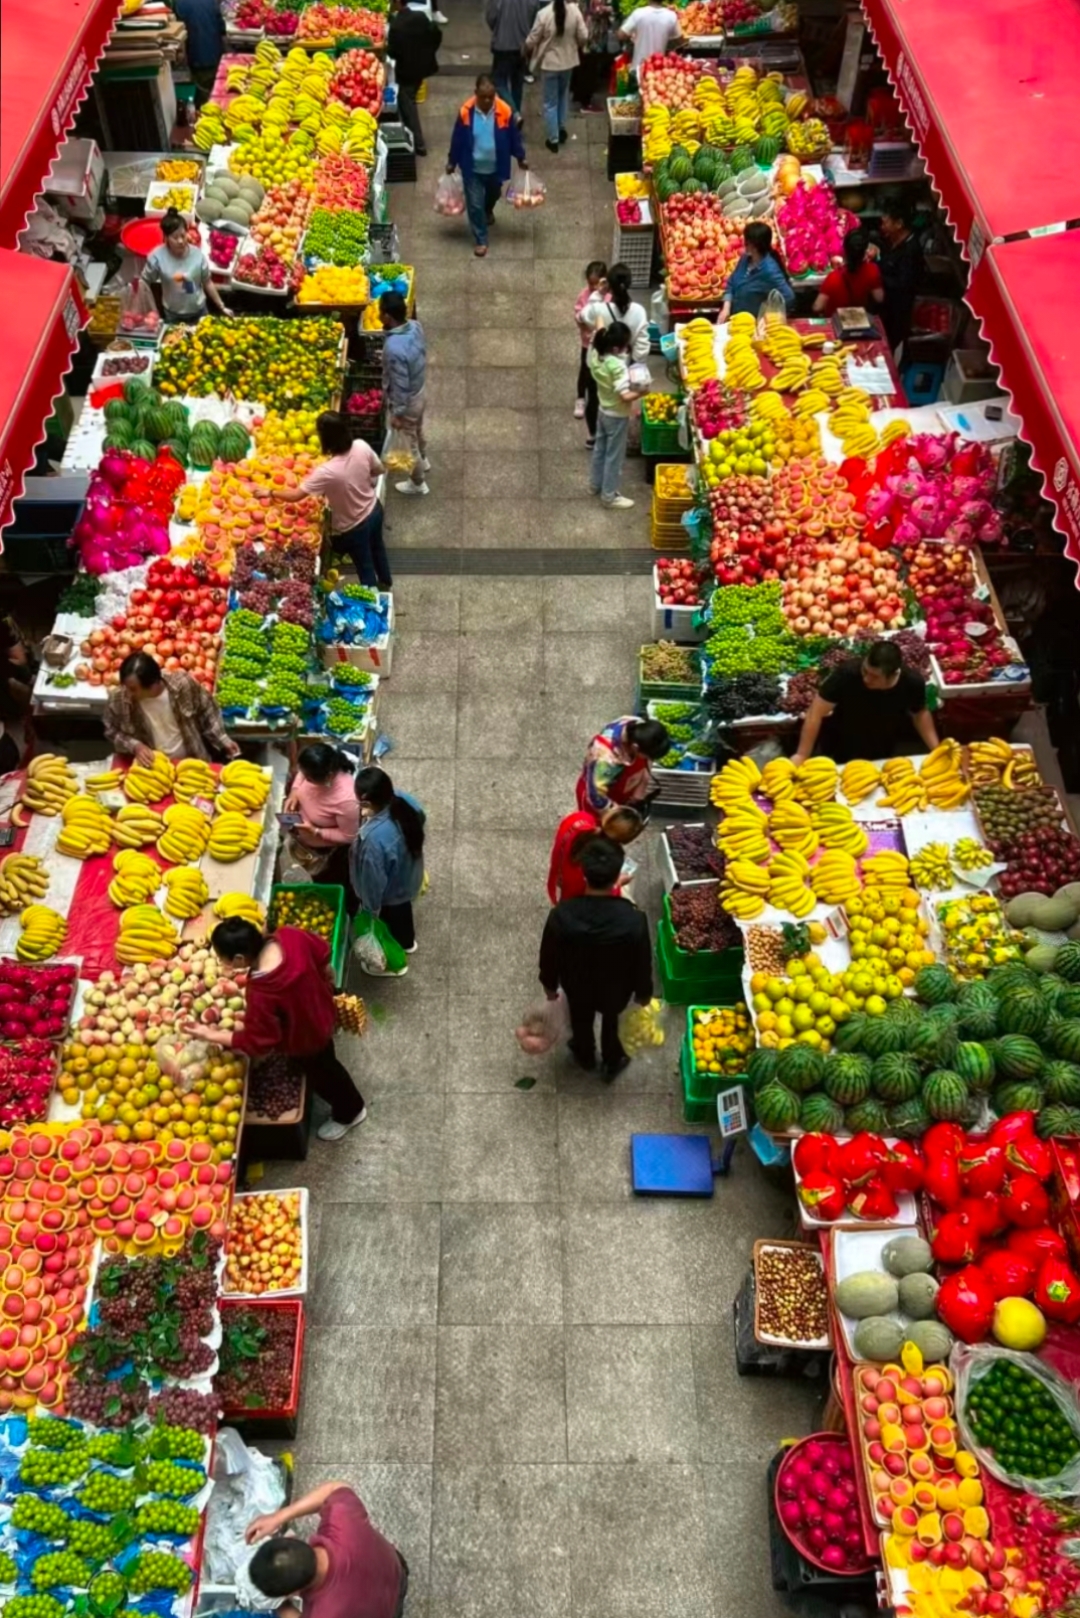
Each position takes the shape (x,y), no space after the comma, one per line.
(544,1025)
(376,947)
(399,453)
(526,190)
(450,195)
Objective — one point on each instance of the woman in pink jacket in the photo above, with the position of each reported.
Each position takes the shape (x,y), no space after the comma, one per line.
(322,792)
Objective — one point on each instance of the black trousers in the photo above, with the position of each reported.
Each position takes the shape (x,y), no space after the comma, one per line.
(592,405)
(332,1082)
(584,375)
(410,117)
(583,1013)
(508,71)
(399,919)
(589,76)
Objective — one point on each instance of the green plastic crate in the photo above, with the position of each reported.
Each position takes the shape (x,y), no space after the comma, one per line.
(697,1107)
(661,691)
(659,437)
(339,941)
(701,966)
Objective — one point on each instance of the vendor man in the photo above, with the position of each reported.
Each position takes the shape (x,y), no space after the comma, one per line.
(873,708)
(164,710)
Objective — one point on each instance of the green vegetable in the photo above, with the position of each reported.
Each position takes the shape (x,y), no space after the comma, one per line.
(1017,1420)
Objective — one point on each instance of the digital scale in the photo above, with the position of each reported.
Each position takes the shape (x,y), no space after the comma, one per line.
(683,1165)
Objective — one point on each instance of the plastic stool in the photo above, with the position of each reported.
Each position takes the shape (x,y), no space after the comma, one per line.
(922,383)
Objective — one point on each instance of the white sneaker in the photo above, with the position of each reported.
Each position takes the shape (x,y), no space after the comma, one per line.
(409,487)
(579,410)
(411,949)
(374,972)
(333,1131)
(440,18)
(425,464)
(618,503)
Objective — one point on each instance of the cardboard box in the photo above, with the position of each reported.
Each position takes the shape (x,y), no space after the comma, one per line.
(75,179)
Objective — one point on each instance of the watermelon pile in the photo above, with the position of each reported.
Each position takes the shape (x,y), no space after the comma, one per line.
(1009,1042)
(142,420)
(679,172)
(210,443)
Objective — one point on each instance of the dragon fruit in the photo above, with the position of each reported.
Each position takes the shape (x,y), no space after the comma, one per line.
(926,513)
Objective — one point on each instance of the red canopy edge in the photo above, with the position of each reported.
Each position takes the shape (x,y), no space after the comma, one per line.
(45,67)
(1020,292)
(41,314)
(987,90)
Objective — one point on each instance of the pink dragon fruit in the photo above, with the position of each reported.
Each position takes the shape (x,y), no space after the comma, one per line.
(926,513)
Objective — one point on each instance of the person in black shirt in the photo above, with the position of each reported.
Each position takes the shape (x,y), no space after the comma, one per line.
(873,709)
(412,44)
(596,949)
(900,260)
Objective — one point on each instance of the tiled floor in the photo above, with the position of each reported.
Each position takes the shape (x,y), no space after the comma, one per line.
(528,1375)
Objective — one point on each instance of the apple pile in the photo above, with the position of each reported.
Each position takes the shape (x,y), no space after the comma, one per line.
(933,567)
(264,1252)
(279,223)
(841,588)
(176,617)
(716,409)
(749,544)
(357,80)
(253,15)
(701,246)
(324,22)
(679,582)
(668,80)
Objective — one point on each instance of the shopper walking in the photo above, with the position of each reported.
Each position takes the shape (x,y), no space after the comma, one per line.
(387,860)
(553,50)
(652,30)
(348,1570)
(591,73)
(412,44)
(404,384)
(510,22)
(596,949)
(854,285)
(617,764)
(348,482)
(620,823)
(205,27)
(178,275)
(486,139)
(611,300)
(288,1009)
(167,711)
(758,272)
(322,793)
(608,364)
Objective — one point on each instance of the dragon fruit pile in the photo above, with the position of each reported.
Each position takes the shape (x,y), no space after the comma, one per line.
(126,516)
(812,227)
(368,403)
(964,659)
(927,487)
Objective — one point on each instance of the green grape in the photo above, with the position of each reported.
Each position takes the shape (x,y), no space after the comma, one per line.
(167,1517)
(175,1443)
(60,1568)
(115,1449)
(107,1493)
(49,1432)
(91,1539)
(108,1590)
(8,1571)
(158,1570)
(38,1516)
(42,1469)
(166,1477)
(39,1606)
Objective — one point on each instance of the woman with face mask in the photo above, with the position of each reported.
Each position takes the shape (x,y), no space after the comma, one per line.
(386,864)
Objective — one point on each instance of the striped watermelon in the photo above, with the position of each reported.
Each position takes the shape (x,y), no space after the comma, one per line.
(1062,1082)
(849,1035)
(1014,973)
(800,1068)
(1019,1096)
(978,1011)
(1018,1057)
(761,1066)
(1068,1002)
(932,1042)
(883,1034)
(975,1065)
(945,1095)
(1058,1120)
(869,1114)
(933,984)
(847,1077)
(819,1113)
(1022,1010)
(1064,1039)
(1067,964)
(777,1107)
(909,1119)
(897,1076)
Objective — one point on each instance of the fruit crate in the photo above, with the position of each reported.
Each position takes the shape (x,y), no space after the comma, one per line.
(722,966)
(634,246)
(624,115)
(278,1140)
(339,940)
(669,536)
(676,623)
(659,437)
(669,874)
(662,690)
(304,1279)
(261,1421)
(699,1099)
(376,656)
(685,789)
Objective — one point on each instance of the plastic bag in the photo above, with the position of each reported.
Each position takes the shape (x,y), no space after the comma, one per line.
(247,1484)
(544,1025)
(450,195)
(399,452)
(375,946)
(526,190)
(773,313)
(138,311)
(640,376)
(969,1365)
(640,1027)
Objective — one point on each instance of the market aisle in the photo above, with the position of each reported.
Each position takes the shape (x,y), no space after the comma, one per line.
(528,1376)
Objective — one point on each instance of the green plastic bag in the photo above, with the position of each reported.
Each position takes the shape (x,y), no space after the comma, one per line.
(376,945)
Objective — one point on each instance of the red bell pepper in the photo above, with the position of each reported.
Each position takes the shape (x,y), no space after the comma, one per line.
(985,1214)
(1014,1126)
(873,1200)
(822,1194)
(982,1167)
(1057,1291)
(965,1302)
(1038,1245)
(956,1240)
(1032,1154)
(861,1157)
(941,1179)
(1010,1274)
(903,1169)
(939,1138)
(815,1151)
(1024,1201)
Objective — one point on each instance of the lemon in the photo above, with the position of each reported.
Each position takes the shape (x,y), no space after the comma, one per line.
(1018,1324)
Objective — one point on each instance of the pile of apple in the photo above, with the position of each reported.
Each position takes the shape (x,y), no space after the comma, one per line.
(252,15)
(934,566)
(749,544)
(279,223)
(716,409)
(357,80)
(176,617)
(701,246)
(679,582)
(235,504)
(843,587)
(668,80)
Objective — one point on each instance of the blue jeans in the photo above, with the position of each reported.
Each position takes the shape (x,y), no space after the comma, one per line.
(364,546)
(556,102)
(609,453)
(482,192)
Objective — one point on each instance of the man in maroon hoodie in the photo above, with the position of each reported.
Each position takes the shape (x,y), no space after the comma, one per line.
(289,1008)
(346,1570)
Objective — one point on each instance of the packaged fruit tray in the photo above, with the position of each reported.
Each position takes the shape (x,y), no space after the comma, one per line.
(800,1306)
(181,192)
(849,1225)
(919,1479)
(299,1290)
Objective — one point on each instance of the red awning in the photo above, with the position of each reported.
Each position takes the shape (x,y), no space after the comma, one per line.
(1020,291)
(989,89)
(46,61)
(41,314)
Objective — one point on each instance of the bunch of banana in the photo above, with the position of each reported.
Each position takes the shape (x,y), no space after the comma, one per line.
(244,109)
(233,836)
(707,94)
(767,407)
(744,889)
(788,889)
(43,931)
(742,369)
(837,828)
(104,781)
(135,825)
(137,878)
(210,130)
(360,137)
(858,779)
(143,784)
(242,905)
(827,374)
(743,906)
(988,761)
(904,790)
(778,780)
(245,786)
(792,375)
(742,833)
(815,780)
(734,783)
(781,342)
(194,779)
(266,51)
(1021,772)
(87,829)
(50,782)
(145,935)
(858,441)
(887,869)
(790,826)
(894,430)
(698,359)
(22,878)
(835,877)
(931,867)
(796,104)
(185,892)
(940,776)
(186,834)
(811,402)
(970,855)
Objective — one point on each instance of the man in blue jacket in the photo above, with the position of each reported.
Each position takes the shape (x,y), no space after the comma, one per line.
(404,377)
(486,138)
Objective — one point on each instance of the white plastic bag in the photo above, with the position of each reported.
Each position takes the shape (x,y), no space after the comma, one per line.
(544,1025)
(969,1365)
(247,1485)
(526,190)
(450,195)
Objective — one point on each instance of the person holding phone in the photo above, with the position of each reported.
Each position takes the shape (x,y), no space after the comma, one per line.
(322,794)
(178,275)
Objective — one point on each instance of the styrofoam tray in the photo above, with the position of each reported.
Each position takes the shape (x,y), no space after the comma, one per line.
(907,1213)
(822,1343)
(300,1290)
(856,1248)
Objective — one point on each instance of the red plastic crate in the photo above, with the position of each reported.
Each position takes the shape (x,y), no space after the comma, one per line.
(288,1411)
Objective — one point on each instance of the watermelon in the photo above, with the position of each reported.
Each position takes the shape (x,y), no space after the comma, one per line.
(776,1106)
(903,1011)
(766,150)
(1013,974)
(134,388)
(909,1119)
(818,1113)
(117,437)
(1022,1010)
(945,1094)
(1018,1057)
(883,1034)
(1058,1120)
(869,1114)
(158,425)
(1061,1081)
(897,1076)
(116,410)
(234,443)
(1068,1002)
(975,1066)
(761,1066)
(849,1034)
(932,1043)
(178,416)
(178,449)
(847,1077)
(978,1011)
(1051,987)
(1067,964)
(1017,1097)
(800,1068)
(935,984)
(680,169)
(742,158)
(143,447)
(1063,1038)
(666,188)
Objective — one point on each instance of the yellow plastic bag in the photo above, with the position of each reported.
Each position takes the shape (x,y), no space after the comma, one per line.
(641,1026)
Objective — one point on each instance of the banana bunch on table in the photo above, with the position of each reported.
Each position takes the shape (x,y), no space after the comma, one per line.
(994,762)
(838,828)
(835,878)
(242,905)
(734,783)
(149,784)
(245,787)
(136,825)
(50,782)
(791,826)
(858,779)
(887,869)
(815,780)
(23,878)
(744,889)
(789,872)
(87,828)
(137,878)
(698,357)
(743,833)
(105,781)
(232,836)
(185,892)
(43,931)
(941,776)
(145,935)
(194,779)
(904,791)
(186,835)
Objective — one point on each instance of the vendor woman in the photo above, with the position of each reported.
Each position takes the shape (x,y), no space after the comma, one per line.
(178,274)
(873,708)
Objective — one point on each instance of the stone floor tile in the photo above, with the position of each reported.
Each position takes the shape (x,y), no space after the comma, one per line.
(432,781)
(387,1378)
(594,1142)
(551,311)
(395,1156)
(556,380)
(437,519)
(424,662)
(747,1418)
(420,724)
(493,430)
(588,661)
(500,1542)
(443,305)
(501,1264)
(630,1394)
(564,476)
(494,960)
(451,350)
(490,797)
(498,348)
(491,473)
(438,269)
(484,1056)
(502,524)
(577,521)
(500,1148)
(380,1266)
(485,277)
(499,725)
(578,715)
(563,275)
(406,1050)
(561,432)
(501,606)
(737,1522)
(432,604)
(519,858)
(500,1395)
(639,1544)
(505,387)
(398,1499)
(717,1241)
(500,661)
(621,1264)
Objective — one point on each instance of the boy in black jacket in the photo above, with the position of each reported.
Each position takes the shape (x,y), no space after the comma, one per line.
(596,948)
(412,44)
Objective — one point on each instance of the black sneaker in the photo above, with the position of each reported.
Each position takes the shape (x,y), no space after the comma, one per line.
(563,137)
(552,146)
(587,1064)
(612,1072)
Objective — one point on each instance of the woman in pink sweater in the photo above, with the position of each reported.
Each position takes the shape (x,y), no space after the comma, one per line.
(322,791)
